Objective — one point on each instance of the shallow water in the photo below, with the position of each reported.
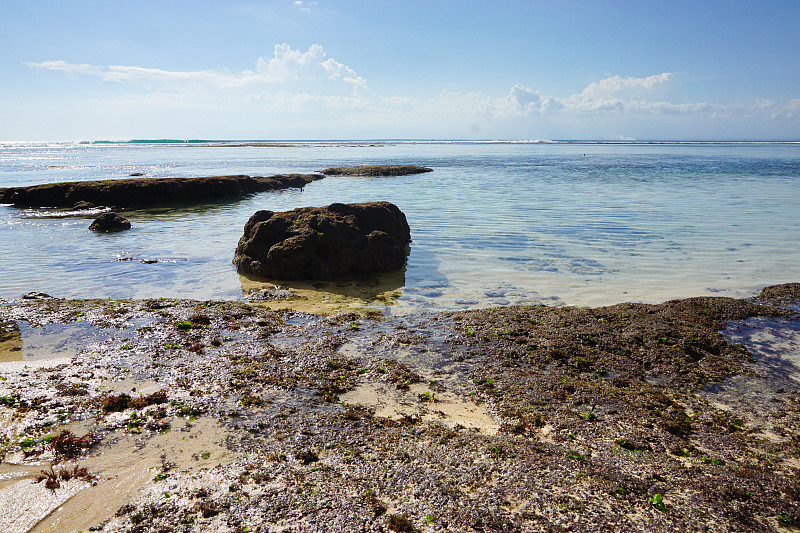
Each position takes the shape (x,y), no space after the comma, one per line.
(494,224)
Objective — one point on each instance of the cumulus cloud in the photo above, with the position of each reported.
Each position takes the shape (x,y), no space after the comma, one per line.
(519,102)
(286,66)
(656,94)
(341,71)
(317,89)
(527,101)
(309,77)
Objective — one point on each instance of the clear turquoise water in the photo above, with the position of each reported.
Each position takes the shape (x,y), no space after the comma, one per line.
(575,224)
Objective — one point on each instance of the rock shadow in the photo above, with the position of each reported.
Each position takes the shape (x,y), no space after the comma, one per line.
(354,294)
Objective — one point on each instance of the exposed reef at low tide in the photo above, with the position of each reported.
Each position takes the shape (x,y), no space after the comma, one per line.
(147,192)
(376,170)
(224,416)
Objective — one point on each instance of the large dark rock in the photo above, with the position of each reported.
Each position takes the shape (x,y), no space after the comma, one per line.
(324,243)
(144,192)
(108,222)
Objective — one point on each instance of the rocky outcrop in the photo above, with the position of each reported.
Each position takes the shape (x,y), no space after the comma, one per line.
(37,296)
(110,222)
(145,192)
(785,293)
(324,243)
(376,170)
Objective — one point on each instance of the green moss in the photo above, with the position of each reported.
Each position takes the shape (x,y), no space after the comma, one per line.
(576,455)
(657,501)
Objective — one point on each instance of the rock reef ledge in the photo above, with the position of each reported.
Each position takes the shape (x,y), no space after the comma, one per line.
(146,192)
(377,170)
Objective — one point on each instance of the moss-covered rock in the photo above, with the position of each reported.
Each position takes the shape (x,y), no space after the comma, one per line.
(324,243)
(143,192)
(785,293)
(110,222)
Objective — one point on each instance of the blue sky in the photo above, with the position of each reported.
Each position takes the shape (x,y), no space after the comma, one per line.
(325,69)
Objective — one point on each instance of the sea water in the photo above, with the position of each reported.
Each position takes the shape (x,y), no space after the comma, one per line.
(494,224)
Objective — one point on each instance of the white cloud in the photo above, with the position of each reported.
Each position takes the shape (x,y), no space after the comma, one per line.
(311,88)
(520,102)
(128,74)
(125,74)
(341,71)
(304,6)
(296,77)
(286,66)
(528,101)
(789,111)
(68,68)
(656,94)
(621,87)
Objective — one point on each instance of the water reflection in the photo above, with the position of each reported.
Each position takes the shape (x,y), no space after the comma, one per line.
(361,294)
(40,344)
(10,342)
(774,345)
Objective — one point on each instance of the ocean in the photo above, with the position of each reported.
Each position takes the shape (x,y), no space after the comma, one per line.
(495,223)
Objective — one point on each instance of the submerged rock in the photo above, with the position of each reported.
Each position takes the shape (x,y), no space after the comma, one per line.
(80,206)
(377,170)
(269,294)
(108,222)
(323,243)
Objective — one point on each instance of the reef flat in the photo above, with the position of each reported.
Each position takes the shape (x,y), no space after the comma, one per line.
(376,170)
(226,416)
(147,192)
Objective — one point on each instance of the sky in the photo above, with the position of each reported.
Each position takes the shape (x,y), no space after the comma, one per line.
(404,69)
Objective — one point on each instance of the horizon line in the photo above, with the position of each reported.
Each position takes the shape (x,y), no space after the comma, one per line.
(267,142)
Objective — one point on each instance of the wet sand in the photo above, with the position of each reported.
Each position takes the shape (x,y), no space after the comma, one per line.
(682,416)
